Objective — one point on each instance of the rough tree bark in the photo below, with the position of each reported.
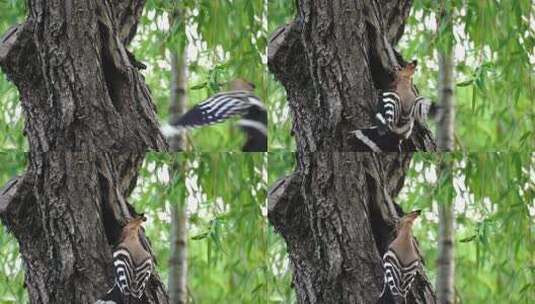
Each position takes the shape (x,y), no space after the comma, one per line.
(80,88)
(66,212)
(88,119)
(337,211)
(337,215)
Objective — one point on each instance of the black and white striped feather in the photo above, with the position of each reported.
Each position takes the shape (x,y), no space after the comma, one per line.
(129,277)
(398,277)
(215,109)
(388,110)
(422,108)
(391,117)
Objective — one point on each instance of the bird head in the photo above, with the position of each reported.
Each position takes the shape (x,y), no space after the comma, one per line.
(240,84)
(407,220)
(406,72)
(132,226)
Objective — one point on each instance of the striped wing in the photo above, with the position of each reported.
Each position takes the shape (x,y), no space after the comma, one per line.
(404,128)
(390,116)
(422,106)
(389,109)
(373,140)
(218,108)
(142,275)
(130,279)
(124,274)
(398,277)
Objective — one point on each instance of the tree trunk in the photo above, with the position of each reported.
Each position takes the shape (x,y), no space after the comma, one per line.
(446,123)
(333,61)
(445,282)
(179,82)
(80,88)
(337,211)
(178,262)
(178,265)
(178,96)
(89,118)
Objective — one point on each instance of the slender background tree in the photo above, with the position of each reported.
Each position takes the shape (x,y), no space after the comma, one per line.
(178,264)
(179,77)
(445,283)
(178,260)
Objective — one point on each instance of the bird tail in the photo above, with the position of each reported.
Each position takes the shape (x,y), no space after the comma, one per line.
(169,131)
(373,140)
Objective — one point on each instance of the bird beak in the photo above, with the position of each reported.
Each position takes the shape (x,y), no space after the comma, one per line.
(414,214)
(411,67)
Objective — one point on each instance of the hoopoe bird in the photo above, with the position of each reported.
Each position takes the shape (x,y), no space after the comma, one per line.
(401,261)
(398,109)
(132,265)
(240,101)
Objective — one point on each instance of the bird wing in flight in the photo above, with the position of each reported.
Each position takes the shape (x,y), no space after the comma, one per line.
(217,108)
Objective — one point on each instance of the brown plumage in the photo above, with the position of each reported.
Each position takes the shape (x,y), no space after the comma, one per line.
(132,262)
(403,86)
(130,240)
(403,244)
(401,261)
(240,84)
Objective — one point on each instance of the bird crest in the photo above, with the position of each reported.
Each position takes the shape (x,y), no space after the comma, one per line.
(132,226)
(240,84)
(406,72)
